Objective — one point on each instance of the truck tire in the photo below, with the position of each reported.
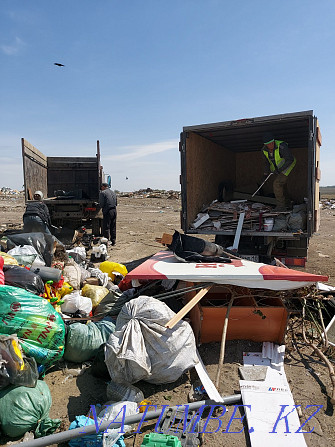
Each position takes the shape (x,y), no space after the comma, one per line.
(96,227)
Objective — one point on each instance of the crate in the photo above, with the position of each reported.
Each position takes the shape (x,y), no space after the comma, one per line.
(251,317)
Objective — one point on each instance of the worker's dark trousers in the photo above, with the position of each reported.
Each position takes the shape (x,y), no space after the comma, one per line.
(280,191)
(34,224)
(109,225)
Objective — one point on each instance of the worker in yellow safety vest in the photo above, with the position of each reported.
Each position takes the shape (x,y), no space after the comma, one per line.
(280,162)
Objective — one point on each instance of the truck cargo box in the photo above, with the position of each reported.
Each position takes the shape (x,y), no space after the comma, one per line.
(70,186)
(227,156)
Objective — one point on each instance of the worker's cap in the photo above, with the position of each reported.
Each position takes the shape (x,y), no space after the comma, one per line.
(38,193)
(106,185)
(268,138)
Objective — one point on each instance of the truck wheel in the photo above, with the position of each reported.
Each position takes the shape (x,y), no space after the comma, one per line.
(96,227)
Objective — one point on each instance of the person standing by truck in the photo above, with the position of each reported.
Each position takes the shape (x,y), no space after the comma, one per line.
(279,161)
(36,217)
(108,204)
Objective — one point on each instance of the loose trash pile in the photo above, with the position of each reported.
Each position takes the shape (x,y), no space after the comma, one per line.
(56,304)
(257,217)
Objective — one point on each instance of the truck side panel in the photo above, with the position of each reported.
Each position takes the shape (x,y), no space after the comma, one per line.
(35,170)
(207,165)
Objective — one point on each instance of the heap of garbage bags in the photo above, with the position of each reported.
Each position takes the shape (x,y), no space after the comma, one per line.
(54,304)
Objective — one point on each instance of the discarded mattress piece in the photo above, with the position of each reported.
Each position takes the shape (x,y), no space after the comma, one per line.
(240,272)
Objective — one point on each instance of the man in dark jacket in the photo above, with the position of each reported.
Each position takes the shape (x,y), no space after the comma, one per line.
(108,203)
(36,217)
(279,161)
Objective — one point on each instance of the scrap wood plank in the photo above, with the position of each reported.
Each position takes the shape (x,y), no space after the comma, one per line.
(174,320)
(166,239)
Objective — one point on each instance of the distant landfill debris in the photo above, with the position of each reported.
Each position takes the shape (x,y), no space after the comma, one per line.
(151,194)
(5,190)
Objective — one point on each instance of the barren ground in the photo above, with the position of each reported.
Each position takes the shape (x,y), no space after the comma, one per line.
(140,220)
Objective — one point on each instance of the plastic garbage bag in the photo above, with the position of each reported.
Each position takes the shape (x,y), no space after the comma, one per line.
(2,275)
(110,412)
(142,348)
(84,340)
(26,255)
(96,293)
(15,368)
(75,301)
(93,440)
(25,279)
(24,409)
(111,267)
(280,223)
(297,220)
(78,254)
(72,274)
(8,259)
(43,243)
(39,328)
(85,274)
(117,392)
(107,304)
(97,273)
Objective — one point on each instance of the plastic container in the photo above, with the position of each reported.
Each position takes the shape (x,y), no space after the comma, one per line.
(120,391)
(160,440)
(268,223)
(47,273)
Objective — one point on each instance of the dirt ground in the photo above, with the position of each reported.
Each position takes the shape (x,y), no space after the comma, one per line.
(140,221)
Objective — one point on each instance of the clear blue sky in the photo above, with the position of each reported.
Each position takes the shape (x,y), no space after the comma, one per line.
(137,71)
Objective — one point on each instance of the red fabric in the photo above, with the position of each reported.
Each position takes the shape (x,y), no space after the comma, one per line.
(2,276)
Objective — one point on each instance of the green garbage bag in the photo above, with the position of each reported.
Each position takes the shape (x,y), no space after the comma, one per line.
(33,319)
(84,340)
(25,409)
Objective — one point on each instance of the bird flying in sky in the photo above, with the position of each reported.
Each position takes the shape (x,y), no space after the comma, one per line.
(59,65)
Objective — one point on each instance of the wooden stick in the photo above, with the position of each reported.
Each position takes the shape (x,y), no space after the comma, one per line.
(223,344)
(174,320)
(166,239)
(321,355)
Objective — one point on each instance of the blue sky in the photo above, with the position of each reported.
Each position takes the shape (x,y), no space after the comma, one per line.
(137,71)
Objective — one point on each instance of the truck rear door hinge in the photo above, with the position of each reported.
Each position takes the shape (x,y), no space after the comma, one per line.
(181,147)
(311,135)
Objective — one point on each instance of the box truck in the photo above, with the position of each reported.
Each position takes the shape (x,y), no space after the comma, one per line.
(70,186)
(223,162)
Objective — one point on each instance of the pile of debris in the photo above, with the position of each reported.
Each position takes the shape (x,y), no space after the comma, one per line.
(9,191)
(225,215)
(56,304)
(252,216)
(328,204)
(152,194)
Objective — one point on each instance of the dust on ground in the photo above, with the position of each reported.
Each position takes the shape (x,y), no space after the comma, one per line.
(140,220)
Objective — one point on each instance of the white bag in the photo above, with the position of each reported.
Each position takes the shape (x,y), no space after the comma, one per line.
(75,301)
(72,274)
(27,250)
(142,348)
(111,435)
